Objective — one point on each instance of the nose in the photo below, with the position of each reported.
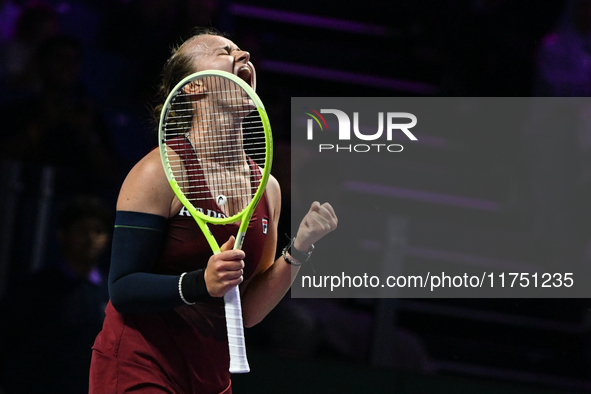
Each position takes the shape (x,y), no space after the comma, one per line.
(242,56)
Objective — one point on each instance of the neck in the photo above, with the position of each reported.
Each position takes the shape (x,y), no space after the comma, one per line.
(218,146)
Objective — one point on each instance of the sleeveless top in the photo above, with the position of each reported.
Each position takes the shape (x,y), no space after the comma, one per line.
(185,349)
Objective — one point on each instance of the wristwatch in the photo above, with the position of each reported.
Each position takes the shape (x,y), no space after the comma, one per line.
(296,257)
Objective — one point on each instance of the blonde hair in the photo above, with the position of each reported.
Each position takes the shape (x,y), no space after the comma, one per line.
(177,67)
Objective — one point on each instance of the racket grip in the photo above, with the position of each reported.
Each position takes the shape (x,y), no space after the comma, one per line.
(235,327)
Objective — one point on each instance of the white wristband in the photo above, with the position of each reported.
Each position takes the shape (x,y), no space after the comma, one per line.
(181,290)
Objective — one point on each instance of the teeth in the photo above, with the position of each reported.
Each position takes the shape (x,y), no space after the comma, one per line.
(245,74)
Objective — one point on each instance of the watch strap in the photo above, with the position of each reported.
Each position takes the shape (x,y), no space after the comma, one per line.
(299,256)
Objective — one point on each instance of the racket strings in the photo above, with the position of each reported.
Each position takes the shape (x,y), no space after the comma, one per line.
(226,144)
(187,123)
(200,190)
(189,111)
(230,154)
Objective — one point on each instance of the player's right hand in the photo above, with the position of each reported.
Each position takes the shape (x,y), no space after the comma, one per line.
(224,270)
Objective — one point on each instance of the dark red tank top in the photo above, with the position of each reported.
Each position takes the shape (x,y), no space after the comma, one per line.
(186,249)
(185,349)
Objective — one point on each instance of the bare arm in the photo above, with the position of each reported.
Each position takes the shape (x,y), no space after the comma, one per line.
(273,278)
(146,189)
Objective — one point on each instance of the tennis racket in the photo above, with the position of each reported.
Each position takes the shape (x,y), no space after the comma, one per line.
(216,148)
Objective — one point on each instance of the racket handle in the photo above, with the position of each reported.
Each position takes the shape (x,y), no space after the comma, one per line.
(235,327)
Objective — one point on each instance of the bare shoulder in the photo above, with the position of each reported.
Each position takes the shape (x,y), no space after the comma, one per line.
(146,188)
(273,187)
(274,196)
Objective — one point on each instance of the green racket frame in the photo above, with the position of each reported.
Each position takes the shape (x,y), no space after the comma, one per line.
(238,362)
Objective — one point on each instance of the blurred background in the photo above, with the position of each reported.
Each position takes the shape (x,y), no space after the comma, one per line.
(77,84)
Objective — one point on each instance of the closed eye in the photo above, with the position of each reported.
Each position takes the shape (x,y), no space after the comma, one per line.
(228,50)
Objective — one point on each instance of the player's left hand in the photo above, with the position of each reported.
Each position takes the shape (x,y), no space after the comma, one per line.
(319,221)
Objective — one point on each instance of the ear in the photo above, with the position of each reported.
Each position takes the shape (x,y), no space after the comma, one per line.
(194,87)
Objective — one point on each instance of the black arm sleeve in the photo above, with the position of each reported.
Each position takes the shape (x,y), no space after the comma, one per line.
(133,288)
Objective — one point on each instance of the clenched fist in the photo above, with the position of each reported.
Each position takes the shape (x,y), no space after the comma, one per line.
(319,221)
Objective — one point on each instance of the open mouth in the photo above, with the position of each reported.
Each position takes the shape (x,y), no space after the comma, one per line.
(245,74)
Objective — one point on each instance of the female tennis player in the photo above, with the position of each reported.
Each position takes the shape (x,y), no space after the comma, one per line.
(165,329)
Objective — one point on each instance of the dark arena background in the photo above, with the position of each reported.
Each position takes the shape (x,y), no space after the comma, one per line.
(78,81)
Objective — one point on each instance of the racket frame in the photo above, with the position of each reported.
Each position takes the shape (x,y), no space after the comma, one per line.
(245,214)
(233,296)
